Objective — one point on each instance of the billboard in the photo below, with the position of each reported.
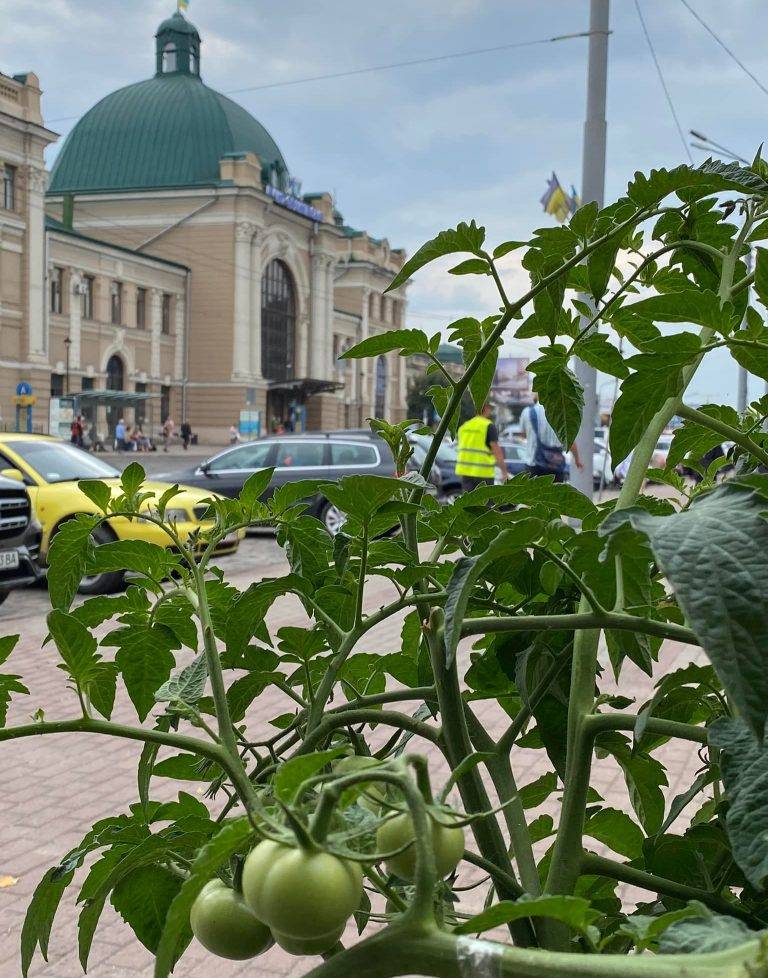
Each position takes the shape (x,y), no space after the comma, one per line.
(511,380)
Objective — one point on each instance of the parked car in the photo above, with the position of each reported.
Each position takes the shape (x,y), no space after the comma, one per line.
(20,535)
(316,455)
(51,469)
(514,456)
(449,483)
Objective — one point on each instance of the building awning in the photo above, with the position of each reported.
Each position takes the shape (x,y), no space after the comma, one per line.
(306,386)
(115,397)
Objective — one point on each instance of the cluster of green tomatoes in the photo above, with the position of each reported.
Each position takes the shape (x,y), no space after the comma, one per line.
(302,898)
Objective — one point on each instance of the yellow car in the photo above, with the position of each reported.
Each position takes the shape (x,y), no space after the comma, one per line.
(51,469)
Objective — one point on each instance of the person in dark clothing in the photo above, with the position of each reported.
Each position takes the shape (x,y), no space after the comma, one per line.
(186,434)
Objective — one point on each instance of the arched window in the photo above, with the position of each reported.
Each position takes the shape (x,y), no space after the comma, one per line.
(278,321)
(381,388)
(193,63)
(115,374)
(169,58)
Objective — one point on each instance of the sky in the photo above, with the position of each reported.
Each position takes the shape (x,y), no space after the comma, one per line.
(409,151)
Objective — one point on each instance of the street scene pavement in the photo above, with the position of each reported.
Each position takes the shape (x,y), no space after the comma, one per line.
(54,788)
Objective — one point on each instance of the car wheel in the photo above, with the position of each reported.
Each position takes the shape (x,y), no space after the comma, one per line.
(332,518)
(3,595)
(102,583)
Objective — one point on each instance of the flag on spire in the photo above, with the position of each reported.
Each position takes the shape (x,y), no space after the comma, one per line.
(183,5)
(557,202)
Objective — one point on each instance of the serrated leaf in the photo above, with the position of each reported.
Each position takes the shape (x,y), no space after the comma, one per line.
(472,266)
(408,341)
(506,247)
(596,350)
(293,773)
(145,660)
(7,645)
(75,643)
(559,391)
(462,238)
(616,830)
(9,684)
(695,440)
(132,477)
(249,608)
(536,793)
(231,838)
(573,911)
(715,556)
(143,899)
(137,556)
(98,492)
(36,930)
(188,685)
(467,571)
(704,934)
(658,375)
(67,557)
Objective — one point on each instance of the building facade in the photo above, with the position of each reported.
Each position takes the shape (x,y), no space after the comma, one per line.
(24,350)
(183,184)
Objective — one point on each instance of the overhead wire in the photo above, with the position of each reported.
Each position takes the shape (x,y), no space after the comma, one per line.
(660,73)
(388,67)
(725,47)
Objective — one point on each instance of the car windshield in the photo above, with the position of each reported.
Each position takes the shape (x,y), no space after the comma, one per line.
(58,462)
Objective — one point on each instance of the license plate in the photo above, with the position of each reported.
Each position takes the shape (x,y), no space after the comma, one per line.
(9,559)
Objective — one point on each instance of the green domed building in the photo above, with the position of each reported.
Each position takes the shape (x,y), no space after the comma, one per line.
(278,284)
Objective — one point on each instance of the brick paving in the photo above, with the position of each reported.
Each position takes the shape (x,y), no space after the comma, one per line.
(54,788)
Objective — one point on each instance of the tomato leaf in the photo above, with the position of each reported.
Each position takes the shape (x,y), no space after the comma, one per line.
(36,930)
(573,911)
(145,659)
(293,773)
(67,558)
(143,899)
(463,238)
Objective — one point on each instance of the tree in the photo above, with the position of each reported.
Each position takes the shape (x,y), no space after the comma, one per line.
(506,568)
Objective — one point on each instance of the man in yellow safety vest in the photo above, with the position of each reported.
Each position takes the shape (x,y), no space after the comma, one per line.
(479,453)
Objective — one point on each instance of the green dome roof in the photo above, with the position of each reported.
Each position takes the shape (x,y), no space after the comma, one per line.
(168,131)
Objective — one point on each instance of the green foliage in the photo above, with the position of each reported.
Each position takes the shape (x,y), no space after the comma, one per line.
(524,604)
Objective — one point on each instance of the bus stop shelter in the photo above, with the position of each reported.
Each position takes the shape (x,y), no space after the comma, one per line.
(143,405)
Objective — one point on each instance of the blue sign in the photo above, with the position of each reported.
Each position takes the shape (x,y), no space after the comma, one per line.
(294,203)
(24,389)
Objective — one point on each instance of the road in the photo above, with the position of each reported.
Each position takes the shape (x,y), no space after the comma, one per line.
(54,788)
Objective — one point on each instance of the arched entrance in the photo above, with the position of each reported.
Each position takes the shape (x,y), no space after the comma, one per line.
(278,327)
(115,382)
(380,405)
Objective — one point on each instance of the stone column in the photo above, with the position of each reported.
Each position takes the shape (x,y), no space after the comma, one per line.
(37,273)
(302,340)
(241,352)
(179,338)
(318,355)
(75,317)
(156,329)
(363,398)
(330,366)
(255,323)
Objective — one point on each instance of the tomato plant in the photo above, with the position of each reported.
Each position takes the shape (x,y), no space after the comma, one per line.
(526,599)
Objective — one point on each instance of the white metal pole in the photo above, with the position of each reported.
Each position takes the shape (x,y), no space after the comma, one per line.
(592,188)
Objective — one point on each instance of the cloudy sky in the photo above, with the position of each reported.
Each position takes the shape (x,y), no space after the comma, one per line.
(412,150)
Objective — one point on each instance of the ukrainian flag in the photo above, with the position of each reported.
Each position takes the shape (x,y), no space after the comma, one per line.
(183,5)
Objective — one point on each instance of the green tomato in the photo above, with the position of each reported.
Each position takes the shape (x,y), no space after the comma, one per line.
(301,894)
(308,945)
(447,844)
(224,925)
(375,792)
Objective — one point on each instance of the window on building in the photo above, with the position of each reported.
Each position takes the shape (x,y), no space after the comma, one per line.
(116,297)
(166,318)
(86,297)
(56,276)
(57,385)
(9,187)
(278,321)
(165,404)
(169,58)
(141,308)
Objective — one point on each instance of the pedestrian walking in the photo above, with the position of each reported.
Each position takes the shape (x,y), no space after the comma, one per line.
(544,454)
(479,453)
(186,434)
(234,435)
(76,431)
(168,429)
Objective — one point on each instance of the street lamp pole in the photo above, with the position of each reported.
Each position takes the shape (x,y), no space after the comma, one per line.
(67,345)
(592,189)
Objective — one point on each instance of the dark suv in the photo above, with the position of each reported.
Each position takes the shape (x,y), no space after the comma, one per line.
(20,537)
(315,455)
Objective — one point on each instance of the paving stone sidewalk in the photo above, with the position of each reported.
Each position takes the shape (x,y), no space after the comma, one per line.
(54,788)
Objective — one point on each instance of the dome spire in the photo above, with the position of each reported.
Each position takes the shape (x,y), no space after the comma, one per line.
(177,47)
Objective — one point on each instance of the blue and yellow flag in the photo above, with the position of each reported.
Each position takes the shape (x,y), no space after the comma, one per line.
(557,202)
(183,5)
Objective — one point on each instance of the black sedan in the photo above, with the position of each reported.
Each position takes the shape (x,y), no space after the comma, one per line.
(327,456)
